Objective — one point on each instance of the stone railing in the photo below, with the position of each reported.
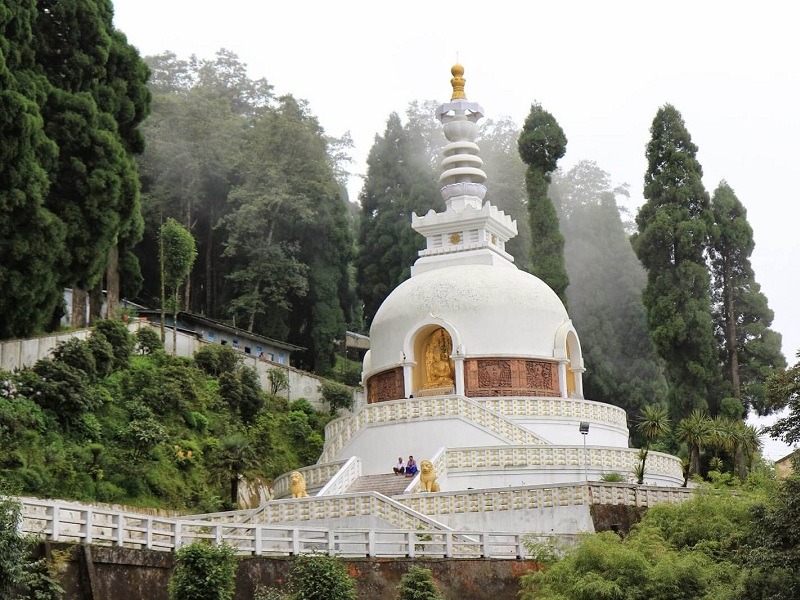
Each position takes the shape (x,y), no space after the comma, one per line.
(608,459)
(561,408)
(316,476)
(344,478)
(325,508)
(63,523)
(543,496)
(339,433)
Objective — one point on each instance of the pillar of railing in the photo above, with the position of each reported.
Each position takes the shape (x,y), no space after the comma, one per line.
(87,525)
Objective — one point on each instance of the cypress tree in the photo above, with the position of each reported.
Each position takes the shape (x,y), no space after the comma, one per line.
(398,183)
(31,237)
(672,243)
(749,349)
(541,144)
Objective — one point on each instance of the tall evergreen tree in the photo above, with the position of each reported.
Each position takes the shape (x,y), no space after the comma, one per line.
(605,292)
(399,182)
(96,103)
(672,242)
(749,349)
(541,144)
(31,237)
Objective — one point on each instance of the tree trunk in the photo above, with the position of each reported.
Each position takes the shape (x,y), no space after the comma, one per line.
(694,463)
(78,316)
(163,284)
(96,303)
(253,313)
(175,325)
(730,333)
(234,491)
(739,462)
(112,282)
(209,268)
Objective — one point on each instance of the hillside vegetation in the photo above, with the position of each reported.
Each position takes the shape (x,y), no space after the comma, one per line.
(116,419)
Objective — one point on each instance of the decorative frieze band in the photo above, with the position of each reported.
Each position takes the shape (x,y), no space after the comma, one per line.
(487,377)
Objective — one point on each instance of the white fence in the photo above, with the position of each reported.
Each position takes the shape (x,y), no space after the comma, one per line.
(68,523)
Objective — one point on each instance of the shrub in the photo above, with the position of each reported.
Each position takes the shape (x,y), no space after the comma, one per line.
(418,584)
(336,395)
(148,341)
(63,390)
(216,360)
(77,354)
(103,354)
(612,477)
(278,380)
(121,340)
(203,572)
(321,577)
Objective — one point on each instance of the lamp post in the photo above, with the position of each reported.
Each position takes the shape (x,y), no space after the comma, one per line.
(584,429)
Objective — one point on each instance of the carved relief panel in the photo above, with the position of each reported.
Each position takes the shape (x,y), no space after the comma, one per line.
(487,377)
(387,385)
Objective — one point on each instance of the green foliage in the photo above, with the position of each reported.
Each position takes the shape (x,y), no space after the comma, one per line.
(122,342)
(605,292)
(203,572)
(612,477)
(320,577)
(750,350)
(336,395)
(76,353)
(418,584)
(179,253)
(541,144)
(217,359)
(783,389)
(148,341)
(672,240)
(31,236)
(102,352)
(278,380)
(399,182)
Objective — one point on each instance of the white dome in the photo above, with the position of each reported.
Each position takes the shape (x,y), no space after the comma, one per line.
(493,311)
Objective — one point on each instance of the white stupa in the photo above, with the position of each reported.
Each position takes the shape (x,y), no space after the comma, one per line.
(476,366)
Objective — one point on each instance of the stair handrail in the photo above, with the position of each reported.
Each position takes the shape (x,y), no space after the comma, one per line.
(439,460)
(343,479)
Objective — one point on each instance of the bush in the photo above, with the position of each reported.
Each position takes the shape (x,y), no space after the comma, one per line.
(148,341)
(418,584)
(77,354)
(336,395)
(278,380)
(612,477)
(63,390)
(321,577)
(122,342)
(203,572)
(103,354)
(216,360)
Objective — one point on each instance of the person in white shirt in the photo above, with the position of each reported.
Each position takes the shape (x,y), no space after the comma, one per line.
(400,467)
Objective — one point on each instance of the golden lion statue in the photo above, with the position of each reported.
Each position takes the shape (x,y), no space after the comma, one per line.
(297,485)
(427,477)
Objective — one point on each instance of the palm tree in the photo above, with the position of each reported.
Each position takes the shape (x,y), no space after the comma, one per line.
(653,423)
(695,432)
(749,445)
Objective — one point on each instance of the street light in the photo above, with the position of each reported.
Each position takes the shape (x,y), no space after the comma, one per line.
(584,429)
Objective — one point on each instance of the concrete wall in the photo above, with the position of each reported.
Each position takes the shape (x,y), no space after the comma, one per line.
(18,354)
(126,574)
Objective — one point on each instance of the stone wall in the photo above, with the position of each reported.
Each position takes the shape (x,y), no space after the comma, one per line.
(96,572)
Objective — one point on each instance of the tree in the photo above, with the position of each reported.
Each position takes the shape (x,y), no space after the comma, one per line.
(605,292)
(320,577)
(418,584)
(653,424)
(742,319)
(203,572)
(695,431)
(31,237)
(177,257)
(398,183)
(783,390)
(541,144)
(235,457)
(92,112)
(672,241)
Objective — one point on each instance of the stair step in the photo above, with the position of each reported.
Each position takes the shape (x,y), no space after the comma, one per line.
(387,484)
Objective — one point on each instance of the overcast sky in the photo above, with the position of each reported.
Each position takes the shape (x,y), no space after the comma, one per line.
(601,68)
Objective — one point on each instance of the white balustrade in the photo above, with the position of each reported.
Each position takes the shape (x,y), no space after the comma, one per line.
(554,407)
(316,476)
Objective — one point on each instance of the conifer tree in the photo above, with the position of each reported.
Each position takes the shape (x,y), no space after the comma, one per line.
(541,144)
(398,183)
(749,349)
(605,292)
(672,243)
(31,237)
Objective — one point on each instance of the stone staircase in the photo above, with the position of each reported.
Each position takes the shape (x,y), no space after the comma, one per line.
(387,484)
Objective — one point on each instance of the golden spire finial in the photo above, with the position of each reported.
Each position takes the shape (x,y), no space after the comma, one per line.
(458,82)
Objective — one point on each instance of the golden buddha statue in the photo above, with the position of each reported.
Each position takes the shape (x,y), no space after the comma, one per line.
(438,367)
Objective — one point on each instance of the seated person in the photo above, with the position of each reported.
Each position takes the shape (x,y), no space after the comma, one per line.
(400,467)
(411,467)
